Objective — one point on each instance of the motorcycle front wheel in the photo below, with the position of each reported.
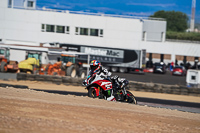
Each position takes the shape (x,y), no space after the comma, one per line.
(131,98)
(92,92)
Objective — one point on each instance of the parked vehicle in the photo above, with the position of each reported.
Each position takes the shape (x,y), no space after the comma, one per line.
(66,66)
(113,59)
(159,68)
(193,78)
(179,70)
(148,70)
(5,63)
(32,64)
(102,88)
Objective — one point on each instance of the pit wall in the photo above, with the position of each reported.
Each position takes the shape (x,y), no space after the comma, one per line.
(133,85)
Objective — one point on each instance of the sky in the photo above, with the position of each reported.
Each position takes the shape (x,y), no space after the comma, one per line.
(143,8)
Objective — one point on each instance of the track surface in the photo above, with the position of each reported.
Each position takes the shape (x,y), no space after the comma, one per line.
(154,78)
(147,77)
(27,110)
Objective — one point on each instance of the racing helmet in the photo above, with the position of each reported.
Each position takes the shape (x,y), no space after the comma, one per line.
(95,66)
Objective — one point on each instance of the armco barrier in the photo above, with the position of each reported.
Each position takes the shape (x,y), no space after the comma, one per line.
(133,85)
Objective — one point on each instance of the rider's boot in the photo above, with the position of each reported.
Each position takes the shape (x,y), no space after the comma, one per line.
(111,98)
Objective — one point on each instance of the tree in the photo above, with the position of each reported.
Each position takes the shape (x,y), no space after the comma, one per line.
(176,21)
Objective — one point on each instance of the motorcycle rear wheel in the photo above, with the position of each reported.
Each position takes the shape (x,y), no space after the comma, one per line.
(131,98)
(92,93)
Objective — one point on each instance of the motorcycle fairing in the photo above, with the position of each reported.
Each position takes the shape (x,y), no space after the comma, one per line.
(104,84)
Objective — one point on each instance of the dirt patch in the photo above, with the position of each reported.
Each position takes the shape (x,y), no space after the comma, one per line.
(26,110)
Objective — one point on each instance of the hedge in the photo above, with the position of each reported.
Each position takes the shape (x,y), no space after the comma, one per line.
(192,36)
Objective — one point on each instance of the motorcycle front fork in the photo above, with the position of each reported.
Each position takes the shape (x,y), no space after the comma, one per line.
(124,93)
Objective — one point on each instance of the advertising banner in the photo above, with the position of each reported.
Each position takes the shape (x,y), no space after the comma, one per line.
(107,56)
(103,54)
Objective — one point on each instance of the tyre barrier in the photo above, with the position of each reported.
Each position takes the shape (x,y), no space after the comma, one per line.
(66,80)
(162,88)
(133,85)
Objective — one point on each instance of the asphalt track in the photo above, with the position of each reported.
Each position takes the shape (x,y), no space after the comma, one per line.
(146,77)
(154,78)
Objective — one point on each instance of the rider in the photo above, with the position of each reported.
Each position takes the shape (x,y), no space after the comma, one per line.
(96,68)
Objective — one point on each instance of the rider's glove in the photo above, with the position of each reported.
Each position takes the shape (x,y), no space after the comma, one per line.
(84,83)
(109,74)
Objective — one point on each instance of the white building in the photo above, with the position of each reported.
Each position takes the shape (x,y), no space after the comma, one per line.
(22,23)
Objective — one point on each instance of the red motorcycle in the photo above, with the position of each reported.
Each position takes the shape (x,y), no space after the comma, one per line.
(100,87)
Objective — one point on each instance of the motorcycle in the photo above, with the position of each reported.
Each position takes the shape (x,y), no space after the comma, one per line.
(102,88)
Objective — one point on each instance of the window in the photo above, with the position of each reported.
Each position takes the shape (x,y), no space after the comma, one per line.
(144,36)
(60,29)
(9,3)
(193,77)
(34,55)
(77,31)
(55,28)
(67,30)
(101,33)
(162,36)
(43,27)
(88,31)
(2,51)
(67,59)
(7,54)
(30,4)
(94,32)
(50,28)
(83,31)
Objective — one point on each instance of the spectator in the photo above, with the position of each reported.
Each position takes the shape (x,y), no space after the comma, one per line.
(176,62)
(188,65)
(172,66)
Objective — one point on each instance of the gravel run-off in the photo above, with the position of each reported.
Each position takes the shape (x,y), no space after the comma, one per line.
(27,110)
